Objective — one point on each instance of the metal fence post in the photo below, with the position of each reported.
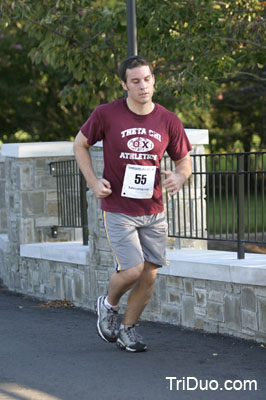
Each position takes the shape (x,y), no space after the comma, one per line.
(240,207)
(83,209)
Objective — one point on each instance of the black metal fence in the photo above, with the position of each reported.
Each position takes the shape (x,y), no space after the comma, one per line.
(224,200)
(71,196)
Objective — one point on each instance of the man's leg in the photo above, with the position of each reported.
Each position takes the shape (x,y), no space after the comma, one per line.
(140,294)
(128,339)
(122,281)
(107,308)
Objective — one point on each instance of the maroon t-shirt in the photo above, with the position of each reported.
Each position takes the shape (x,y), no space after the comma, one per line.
(129,138)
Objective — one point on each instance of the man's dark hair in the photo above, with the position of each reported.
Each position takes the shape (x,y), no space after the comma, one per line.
(132,62)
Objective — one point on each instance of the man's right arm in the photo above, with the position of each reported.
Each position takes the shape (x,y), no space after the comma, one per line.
(100,187)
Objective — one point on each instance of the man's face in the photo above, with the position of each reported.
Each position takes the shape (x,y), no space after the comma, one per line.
(139,84)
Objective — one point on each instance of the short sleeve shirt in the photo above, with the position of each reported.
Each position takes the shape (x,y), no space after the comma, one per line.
(129,138)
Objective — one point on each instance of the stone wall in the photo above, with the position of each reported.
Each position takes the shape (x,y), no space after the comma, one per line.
(212,306)
(209,305)
(210,291)
(3,216)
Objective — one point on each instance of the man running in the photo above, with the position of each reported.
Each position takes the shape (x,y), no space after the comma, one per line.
(135,132)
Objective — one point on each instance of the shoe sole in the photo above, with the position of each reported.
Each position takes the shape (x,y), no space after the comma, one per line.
(98,322)
(122,346)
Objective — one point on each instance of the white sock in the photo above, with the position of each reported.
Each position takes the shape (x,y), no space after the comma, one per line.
(122,326)
(109,306)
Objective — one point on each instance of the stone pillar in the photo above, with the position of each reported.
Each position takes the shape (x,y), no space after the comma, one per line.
(195,209)
(30,197)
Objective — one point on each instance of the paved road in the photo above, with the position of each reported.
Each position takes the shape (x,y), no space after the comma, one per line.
(56,354)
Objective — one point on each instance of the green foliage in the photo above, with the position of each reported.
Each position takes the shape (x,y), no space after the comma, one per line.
(209,56)
(30,108)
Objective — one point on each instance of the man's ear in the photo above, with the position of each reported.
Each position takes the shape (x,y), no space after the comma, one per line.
(124,85)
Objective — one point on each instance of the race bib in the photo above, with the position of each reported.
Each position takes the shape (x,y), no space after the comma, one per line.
(138,181)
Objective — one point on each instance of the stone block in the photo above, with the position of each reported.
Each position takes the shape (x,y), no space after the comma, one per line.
(26,177)
(249,298)
(45,181)
(24,285)
(2,171)
(232,312)
(11,202)
(102,231)
(2,194)
(216,296)
(233,288)
(78,286)
(212,327)
(174,281)
(162,289)
(3,221)
(68,288)
(249,320)
(199,283)
(154,304)
(199,323)
(41,163)
(51,195)
(13,231)
(27,233)
(44,271)
(102,275)
(200,297)
(35,277)
(188,314)
(46,221)
(188,285)
(262,314)
(171,314)
(32,204)
(218,286)
(174,296)
(215,312)
(91,284)
(260,291)
(200,311)
(150,316)
(30,282)
(42,288)
(102,289)
(52,209)
(105,258)
(103,244)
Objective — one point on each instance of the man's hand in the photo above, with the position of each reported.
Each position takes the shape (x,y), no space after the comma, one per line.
(176,179)
(101,188)
(173,182)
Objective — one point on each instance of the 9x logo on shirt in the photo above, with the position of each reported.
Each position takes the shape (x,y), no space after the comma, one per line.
(140,144)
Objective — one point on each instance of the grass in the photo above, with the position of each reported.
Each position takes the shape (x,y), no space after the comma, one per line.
(254,214)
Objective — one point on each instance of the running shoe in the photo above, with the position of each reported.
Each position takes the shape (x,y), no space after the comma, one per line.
(107,321)
(128,339)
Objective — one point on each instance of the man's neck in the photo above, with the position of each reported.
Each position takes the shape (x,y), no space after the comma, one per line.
(140,109)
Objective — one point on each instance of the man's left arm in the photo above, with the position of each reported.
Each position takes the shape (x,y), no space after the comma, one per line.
(175,179)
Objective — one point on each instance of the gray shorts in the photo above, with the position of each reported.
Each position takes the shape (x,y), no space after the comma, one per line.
(136,239)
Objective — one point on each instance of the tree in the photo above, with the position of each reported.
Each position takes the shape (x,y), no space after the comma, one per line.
(196,47)
(30,108)
(212,57)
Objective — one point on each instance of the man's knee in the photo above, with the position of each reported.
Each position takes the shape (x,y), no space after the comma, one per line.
(134,273)
(149,274)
